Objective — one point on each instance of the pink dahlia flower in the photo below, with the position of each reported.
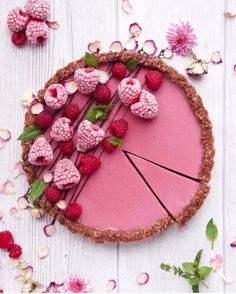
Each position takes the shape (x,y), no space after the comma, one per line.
(74,284)
(181,38)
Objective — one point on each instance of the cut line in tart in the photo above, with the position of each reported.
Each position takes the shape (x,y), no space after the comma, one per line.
(156,175)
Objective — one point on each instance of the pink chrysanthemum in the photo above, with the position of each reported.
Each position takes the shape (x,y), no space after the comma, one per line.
(181,38)
(74,284)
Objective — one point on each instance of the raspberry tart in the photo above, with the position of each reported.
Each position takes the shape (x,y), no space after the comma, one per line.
(130,154)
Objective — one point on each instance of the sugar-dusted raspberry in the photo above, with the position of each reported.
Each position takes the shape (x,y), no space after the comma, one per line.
(17,20)
(38,9)
(6,239)
(129,91)
(19,39)
(37,32)
(15,251)
(86,79)
(89,136)
(73,211)
(61,130)
(40,152)
(56,96)
(66,174)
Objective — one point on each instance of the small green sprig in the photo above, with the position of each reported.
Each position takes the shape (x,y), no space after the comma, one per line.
(211,232)
(98,112)
(190,271)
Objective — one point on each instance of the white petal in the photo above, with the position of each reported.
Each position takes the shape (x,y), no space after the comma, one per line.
(5,135)
(230,13)
(54,24)
(49,230)
(28,287)
(42,251)
(142,278)
(8,187)
(168,53)
(37,212)
(94,47)
(131,44)
(22,203)
(216,58)
(37,108)
(14,212)
(149,47)
(111,285)
(116,46)
(17,169)
(126,6)
(20,278)
(71,87)
(48,177)
(104,77)
(28,272)
(135,29)
(61,204)
(27,98)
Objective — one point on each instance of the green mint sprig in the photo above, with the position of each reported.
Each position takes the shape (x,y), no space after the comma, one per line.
(211,232)
(131,65)
(90,60)
(36,190)
(29,133)
(98,112)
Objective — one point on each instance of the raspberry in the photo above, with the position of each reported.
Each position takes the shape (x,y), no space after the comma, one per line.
(19,39)
(87,79)
(37,32)
(56,96)
(61,130)
(17,20)
(6,239)
(67,147)
(119,70)
(53,194)
(147,106)
(71,111)
(89,164)
(15,251)
(38,9)
(129,91)
(110,144)
(66,174)
(43,120)
(153,80)
(118,128)
(73,211)
(89,136)
(102,94)
(40,152)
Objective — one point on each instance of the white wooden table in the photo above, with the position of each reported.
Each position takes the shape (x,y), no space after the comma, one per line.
(83,21)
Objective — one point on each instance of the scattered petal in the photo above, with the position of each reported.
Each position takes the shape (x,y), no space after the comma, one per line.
(227,280)
(197,68)
(111,285)
(27,98)
(15,262)
(73,283)
(104,77)
(131,44)
(52,288)
(61,204)
(230,13)
(1,214)
(5,135)
(149,47)
(14,212)
(135,30)
(23,264)
(22,202)
(20,278)
(116,46)
(94,47)
(216,262)
(8,188)
(216,58)
(233,243)
(126,6)
(168,53)
(37,212)
(42,251)
(142,278)
(17,169)
(28,272)
(71,87)
(54,24)
(28,286)
(49,230)
(37,108)
(234,67)
(48,177)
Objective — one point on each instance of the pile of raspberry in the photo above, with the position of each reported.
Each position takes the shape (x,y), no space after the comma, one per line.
(7,242)
(29,24)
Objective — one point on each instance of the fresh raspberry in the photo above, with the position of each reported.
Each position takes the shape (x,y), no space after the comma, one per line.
(66,174)
(102,94)
(38,9)
(19,39)
(147,106)
(43,120)
(40,152)
(15,251)
(87,79)
(89,136)
(67,147)
(71,111)
(1,291)
(73,211)
(17,20)
(56,96)
(89,164)
(61,130)
(110,144)
(129,91)
(153,80)
(119,70)
(119,128)
(53,194)
(37,32)
(6,239)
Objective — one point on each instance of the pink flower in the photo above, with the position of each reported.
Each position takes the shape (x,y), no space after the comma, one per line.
(181,38)
(216,262)
(74,284)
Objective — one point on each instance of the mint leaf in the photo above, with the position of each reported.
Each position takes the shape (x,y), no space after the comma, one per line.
(105,107)
(29,133)
(189,266)
(116,141)
(194,281)
(90,60)
(198,258)
(131,64)
(98,112)
(211,232)
(36,190)
(195,288)
(204,271)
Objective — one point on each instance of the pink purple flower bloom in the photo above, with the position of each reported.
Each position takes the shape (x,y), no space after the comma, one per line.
(181,38)
(74,284)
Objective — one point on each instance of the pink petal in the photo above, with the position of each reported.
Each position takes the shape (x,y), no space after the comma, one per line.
(17,170)
(14,212)
(37,212)
(104,77)
(142,278)
(27,98)
(54,24)
(233,244)
(216,262)
(71,87)
(22,203)
(49,230)
(1,214)
(126,6)
(94,47)
(116,46)
(42,251)
(168,53)
(131,44)
(5,135)
(235,67)
(216,58)
(135,29)
(111,285)
(230,13)
(149,47)
(8,188)
(61,204)
(48,177)
(37,108)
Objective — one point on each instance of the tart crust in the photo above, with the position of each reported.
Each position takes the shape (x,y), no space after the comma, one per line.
(207,141)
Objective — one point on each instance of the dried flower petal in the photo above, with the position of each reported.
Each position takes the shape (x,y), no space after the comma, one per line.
(14,212)
(197,68)
(94,47)
(17,169)
(131,44)
(5,135)
(226,280)
(216,58)
(104,77)
(49,230)
(27,98)
(54,24)
(142,278)
(116,46)
(233,243)
(230,13)
(8,188)
(22,202)
(20,278)
(23,264)
(37,108)
(149,47)
(126,6)
(71,87)
(168,53)
(37,212)
(61,204)
(28,286)
(135,30)
(234,67)
(111,285)
(48,177)
(28,272)
(42,251)
(216,262)
(52,288)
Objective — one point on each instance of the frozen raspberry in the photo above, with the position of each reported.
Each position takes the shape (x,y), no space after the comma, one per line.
(73,211)
(61,130)
(67,147)
(43,120)
(15,251)
(40,152)
(147,106)
(89,136)
(87,79)
(17,20)
(119,128)
(119,70)
(71,111)
(53,194)
(19,39)
(38,9)
(6,239)
(129,91)
(56,96)
(153,80)
(66,174)
(37,32)
(89,164)
(110,144)
(102,94)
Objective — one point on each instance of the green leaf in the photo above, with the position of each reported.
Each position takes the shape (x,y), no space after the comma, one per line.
(198,258)
(116,141)
(105,107)
(36,190)
(29,133)
(98,112)
(211,232)
(165,267)
(195,289)
(194,281)
(90,60)
(189,266)
(204,271)
(131,64)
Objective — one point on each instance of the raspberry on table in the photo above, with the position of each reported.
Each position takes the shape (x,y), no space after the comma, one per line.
(129,91)
(56,96)
(6,239)
(37,32)
(119,70)
(86,79)
(40,152)
(38,9)
(17,20)
(19,39)
(15,251)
